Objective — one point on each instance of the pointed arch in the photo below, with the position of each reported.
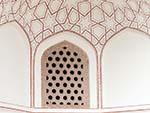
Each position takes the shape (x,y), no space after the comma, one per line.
(125,69)
(15,65)
(80,42)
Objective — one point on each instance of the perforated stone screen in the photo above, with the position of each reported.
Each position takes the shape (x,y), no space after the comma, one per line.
(65,77)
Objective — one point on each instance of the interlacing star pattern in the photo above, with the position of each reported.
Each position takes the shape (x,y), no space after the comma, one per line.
(96,20)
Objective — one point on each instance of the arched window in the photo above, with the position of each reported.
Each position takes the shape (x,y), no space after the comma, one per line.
(65,76)
(65,72)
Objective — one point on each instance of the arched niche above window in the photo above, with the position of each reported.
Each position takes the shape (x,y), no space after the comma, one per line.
(125,69)
(14,65)
(75,43)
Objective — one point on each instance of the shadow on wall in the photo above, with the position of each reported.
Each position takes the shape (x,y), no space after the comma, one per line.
(126,69)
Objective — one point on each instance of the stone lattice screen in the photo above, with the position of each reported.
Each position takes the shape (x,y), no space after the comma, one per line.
(65,77)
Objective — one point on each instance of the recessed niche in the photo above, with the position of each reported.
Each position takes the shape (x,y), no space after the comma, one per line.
(66,73)
(126,69)
(14,65)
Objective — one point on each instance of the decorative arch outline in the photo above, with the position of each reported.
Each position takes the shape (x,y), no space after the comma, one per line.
(13,28)
(82,43)
(101,68)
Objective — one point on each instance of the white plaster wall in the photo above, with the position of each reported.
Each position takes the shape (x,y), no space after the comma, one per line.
(14,65)
(3,110)
(147,111)
(126,69)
